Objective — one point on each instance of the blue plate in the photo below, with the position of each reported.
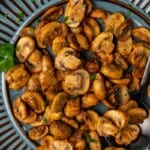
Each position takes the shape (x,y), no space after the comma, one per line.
(13,134)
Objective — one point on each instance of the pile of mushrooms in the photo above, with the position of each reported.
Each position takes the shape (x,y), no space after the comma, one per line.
(60,92)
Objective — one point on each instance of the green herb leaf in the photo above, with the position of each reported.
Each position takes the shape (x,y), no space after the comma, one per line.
(6,15)
(32,1)
(89,139)
(65,18)
(128,13)
(44,119)
(6,56)
(40,90)
(20,16)
(46,103)
(72,97)
(92,76)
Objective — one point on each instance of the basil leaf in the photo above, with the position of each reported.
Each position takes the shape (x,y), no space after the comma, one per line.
(6,50)
(92,76)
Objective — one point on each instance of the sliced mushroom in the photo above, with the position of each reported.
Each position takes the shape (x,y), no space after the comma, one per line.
(141,33)
(34,100)
(59,102)
(94,143)
(89,100)
(76,30)
(81,82)
(72,108)
(99,14)
(50,115)
(138,55)
(34,83)
(103,42)
(120,61)
(17,77)
(99,87)
(24,47)
(118,117)
(47,64)
(94,25)
(91,119)
(82,41)
(75,12)
(129,105)
(112,71)
(27,31)
(80,145)
(105,127)
(125,47)
(59,144)
(118,95)
(113,21)
(33,63)
(148,91)
(136,115)
(47,79)
(71,122)
(89,6)
(127,135)
(52,14)
(66,60)
(81,117)
(36,133)
(48,33)
(39,121)
(58,44)
(20,109)
(123,81)
(123,31)
(46,141)
(60,130)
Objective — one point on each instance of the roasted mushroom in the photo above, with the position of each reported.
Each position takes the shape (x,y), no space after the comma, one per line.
(81,82)
(72,108)
(34,100)
(33,62)
(27,31)
(112,71)
(38,132)
(148,90)
(74,13)
(46,141)
(99,87)
(60,130)
(118,118)
(89,100)
(24,47)
(66,59)
(114,148)
(105,127)
(141,33)
(136,115)
(127,135)
(17,77)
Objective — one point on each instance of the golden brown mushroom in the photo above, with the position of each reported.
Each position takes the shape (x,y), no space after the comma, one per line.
(127,135)
(67,60)
(105,127)
(60,130)
(17,77)
(141,33)
(38,132)
(72,107)
(81,82)
(118,118)
(34,100)
(27,31)
(24,47)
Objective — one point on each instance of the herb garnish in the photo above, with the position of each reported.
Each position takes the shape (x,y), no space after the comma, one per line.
(72,97)
(89,139)
(44,119)
(46,103)
(20,16)
(92,76)
(6,57)
(65,18)
(128,13)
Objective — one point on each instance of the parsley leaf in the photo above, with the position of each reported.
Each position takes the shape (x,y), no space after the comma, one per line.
(20,16)
(89,139)
(32,1)
(46,103)
(44,119)
(92,76)
(65,18)
(72,97)
(128,13)
(6,57)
